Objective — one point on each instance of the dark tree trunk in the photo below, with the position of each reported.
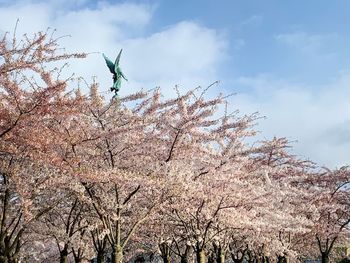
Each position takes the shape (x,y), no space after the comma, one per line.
(211,257)
(282,259)
(237,260)
(165,252)
(64,255)
(10,240)
(328,246)
(239,255)
(325,257)
(8,259)
(78,259)
(184,259)
(219,253)
(100,246)
(64,258)
(251,257)
(78,255)
(185,256)
(100,257)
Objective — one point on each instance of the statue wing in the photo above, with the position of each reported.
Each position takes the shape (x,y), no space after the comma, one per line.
(116,63)
(110,64)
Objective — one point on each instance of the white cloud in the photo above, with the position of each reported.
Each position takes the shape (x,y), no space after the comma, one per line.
(185,53)
(305,42)
(252,21)
(318,118)
(182,50)
(86,25)
(32,18)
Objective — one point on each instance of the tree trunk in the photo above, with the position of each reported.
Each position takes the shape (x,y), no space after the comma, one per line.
(9,259)
(78,260)
(63,259)
(64,255)
(78,255)
(185,256)
(325,257)
(184,259)
(100,246)
(219,254)
(282,259)
(166,258)
(165,252)
(221,258)
(200,254)
(211,257)
(100,257)
(237,259)
(9,247)
(13,259)
(117,254)
(251,258)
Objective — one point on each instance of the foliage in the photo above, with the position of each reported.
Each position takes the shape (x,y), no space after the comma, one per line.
(83,178)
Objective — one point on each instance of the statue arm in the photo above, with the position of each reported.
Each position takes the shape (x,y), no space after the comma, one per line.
(121,74)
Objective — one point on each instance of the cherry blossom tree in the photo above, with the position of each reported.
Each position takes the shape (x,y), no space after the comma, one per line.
(82,177)
(331,197)
(31,95)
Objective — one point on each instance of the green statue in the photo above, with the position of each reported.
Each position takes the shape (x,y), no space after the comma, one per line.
(117,73)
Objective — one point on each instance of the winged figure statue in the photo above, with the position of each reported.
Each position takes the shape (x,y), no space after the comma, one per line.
(117,73)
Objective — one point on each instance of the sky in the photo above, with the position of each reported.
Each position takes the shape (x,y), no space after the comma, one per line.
(288,60)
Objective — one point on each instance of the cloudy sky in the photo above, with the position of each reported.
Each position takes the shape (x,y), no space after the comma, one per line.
(289,60)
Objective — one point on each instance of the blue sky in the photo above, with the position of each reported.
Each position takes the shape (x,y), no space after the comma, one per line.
(269,34)
(286,59)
